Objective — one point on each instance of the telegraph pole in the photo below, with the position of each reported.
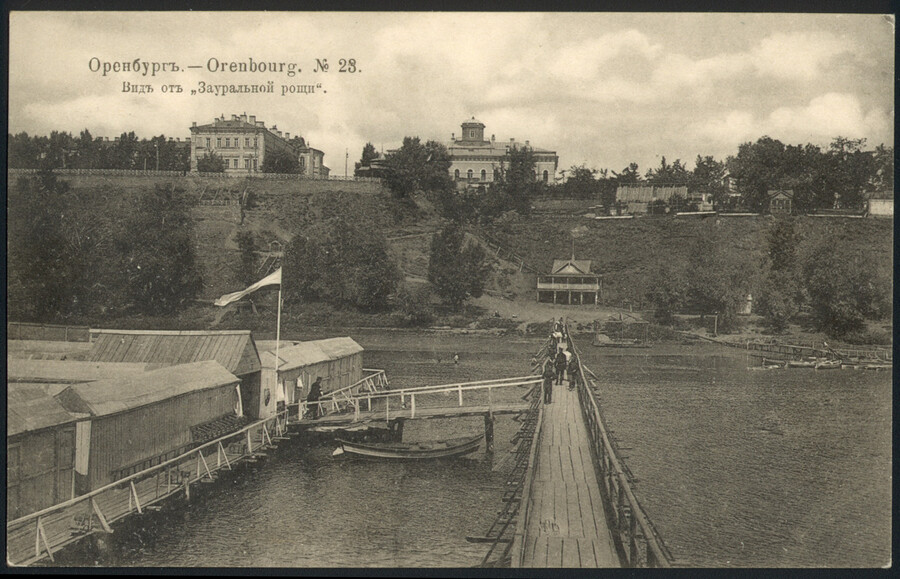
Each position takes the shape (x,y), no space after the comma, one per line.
(346,159)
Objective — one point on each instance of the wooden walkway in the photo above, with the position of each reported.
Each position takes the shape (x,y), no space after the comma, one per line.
(566,525)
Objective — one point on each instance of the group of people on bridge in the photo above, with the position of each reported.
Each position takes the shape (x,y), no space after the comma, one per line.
(560,361)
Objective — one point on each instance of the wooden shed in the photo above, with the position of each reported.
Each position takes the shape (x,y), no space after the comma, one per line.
(139,421)
(233,349)
(338,361)
(40,450)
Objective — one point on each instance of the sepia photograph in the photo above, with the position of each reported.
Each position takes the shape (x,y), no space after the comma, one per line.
(459,290)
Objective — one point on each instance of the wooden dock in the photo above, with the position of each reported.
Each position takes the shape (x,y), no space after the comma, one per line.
(566,520)
(407,413)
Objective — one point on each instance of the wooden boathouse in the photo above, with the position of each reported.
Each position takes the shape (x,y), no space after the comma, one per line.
(338,361)
(143,420)
(233,349)
(67,371)
(40,450)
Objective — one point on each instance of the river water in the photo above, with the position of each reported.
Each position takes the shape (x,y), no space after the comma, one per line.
(788,468)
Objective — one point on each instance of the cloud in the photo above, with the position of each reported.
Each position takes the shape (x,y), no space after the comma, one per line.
(822,119)
(799,56)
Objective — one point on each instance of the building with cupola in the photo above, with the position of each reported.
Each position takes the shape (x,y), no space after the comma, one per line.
(477,161)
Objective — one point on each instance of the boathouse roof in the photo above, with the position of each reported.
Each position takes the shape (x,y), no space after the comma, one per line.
(30,407)
(67,371)
(648,193)
(115,395)
(235,350)
(309,353)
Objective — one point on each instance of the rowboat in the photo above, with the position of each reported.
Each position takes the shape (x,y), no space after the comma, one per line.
(828,365)
(410,450)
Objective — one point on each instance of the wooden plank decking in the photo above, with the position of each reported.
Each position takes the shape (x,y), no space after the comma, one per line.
(567,526)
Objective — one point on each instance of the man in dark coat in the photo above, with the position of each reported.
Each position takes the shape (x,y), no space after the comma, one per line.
(548,382)
(560,364)
(315,392)
(573,372)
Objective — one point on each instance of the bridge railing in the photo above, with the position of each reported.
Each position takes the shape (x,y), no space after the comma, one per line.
(407,398)
(517,553)
(630,525)
(41,534)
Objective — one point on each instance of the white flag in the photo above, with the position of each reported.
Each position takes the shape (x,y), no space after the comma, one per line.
(273,278)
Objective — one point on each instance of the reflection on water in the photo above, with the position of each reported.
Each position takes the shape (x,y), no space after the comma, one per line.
(735,467)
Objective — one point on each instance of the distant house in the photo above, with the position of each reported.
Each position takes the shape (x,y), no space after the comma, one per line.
(781,201)
(570,282)
(881,204)
(233,349)
(638,197)
(40,450)
(140,421)
(338,361)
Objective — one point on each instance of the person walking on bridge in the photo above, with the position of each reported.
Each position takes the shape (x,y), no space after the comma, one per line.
(548,376)
(560,363)
(573,372)
(312,399)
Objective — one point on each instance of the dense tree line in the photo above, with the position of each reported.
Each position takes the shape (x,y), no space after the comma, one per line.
(62,150)
(67,261)
(836,177)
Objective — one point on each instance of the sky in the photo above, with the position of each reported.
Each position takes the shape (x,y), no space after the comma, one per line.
(601,89)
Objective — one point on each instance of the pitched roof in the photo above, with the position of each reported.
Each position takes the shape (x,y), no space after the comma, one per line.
(235,350)
(789,193)
(30,407)
(571,266)
(67,371)
(115,395)
(309,353)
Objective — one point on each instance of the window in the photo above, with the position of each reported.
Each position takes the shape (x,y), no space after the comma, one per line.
(254,142)
(456,174)
(247,142)
(235,163)
(207,142)
(472,133)
(483,175)
(546,176)
(254,164)
(218,141)
(246,163)
(227,142)
(469,174)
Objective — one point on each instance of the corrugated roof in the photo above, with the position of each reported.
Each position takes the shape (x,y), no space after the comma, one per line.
(71,371)
(30,407)
(646,194)
(233,349)
(570,266)
(114,395)
(309,353)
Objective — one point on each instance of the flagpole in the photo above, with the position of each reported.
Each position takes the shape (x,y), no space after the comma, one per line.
(278,337)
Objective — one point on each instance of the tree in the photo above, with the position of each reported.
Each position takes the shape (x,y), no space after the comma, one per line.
(125,153)
(24,152)
(211,163)
(516,186)
(369,154)
(844,288)
(629,175)
(719,281)
(156,253)
(456,271)
(345,263)
(668,292)
(281,161)
(581,183)
(708,179)
(48,263)
(246,243)
(758,167)
(417,167)
(669,175)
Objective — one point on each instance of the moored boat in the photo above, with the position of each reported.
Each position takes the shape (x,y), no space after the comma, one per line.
(410,450)
(828,365)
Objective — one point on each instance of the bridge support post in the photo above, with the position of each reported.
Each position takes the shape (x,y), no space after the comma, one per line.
(489,432)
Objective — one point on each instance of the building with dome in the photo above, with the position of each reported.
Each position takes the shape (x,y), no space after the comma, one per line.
(477,161)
